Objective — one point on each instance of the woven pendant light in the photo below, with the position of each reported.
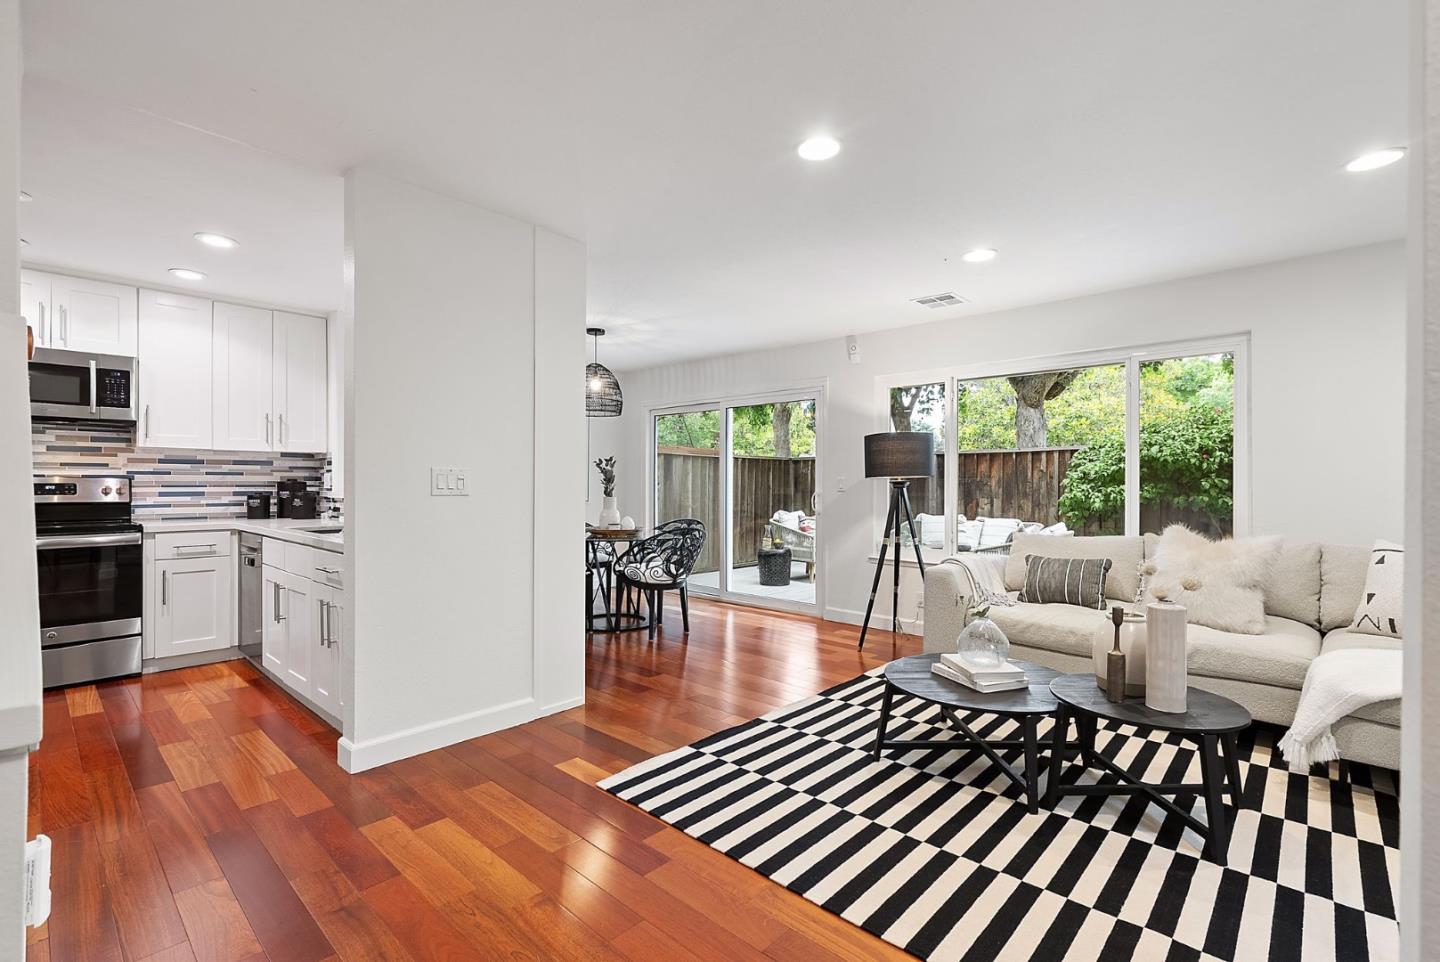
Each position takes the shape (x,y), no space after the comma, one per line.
(602,391)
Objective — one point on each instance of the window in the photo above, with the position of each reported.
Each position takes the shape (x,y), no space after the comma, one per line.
(1094,445)
(921,407)
(687,478)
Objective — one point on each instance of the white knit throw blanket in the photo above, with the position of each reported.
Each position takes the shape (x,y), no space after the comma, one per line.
(1336,684)
(985,572)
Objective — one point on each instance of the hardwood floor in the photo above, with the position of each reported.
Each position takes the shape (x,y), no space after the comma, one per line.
(199,816)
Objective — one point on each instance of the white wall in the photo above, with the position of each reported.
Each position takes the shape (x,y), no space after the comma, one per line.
(1327,393)
(463,347)
(19,611)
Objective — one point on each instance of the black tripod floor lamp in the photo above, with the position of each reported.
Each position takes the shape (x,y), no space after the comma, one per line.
(899,456)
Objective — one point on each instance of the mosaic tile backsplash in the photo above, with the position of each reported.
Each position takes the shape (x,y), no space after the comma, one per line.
(169,483)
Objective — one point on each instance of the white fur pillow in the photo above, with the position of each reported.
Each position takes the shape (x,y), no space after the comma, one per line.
(1220,583)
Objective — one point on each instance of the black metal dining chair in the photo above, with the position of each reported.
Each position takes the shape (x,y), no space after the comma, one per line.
(661,563)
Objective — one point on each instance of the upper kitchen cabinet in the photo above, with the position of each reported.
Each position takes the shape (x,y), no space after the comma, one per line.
(298,376)
(241,362)
(94,316)
(35,305)
(175,372)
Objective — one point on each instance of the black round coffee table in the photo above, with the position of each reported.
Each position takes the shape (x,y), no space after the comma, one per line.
(912,676)
(1211,721)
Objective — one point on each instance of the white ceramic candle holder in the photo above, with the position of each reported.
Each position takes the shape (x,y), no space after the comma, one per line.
(1166,674)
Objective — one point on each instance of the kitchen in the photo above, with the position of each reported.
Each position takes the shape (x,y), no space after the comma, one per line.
(186,483)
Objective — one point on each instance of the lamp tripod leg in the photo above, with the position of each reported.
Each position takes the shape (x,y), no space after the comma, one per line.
(879,570)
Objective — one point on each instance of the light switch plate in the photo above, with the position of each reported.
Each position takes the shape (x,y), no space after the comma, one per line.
(448,483)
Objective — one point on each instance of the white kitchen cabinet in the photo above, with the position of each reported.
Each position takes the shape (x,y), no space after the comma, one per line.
(35,305)
(273,634)
(300,627)
(328,609)
(175,372)
(242,355)
(298,375)
(193,606)
(95,316)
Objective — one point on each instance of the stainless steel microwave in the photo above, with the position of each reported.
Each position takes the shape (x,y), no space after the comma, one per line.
(82,386)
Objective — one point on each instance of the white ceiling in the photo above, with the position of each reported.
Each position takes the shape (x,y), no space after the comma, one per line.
(1097,145)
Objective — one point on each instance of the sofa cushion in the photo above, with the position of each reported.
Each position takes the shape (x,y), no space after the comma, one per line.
(1220,583)
(1065,581)
(1068,629)
(1280,656)
(1381,610)
(1124,552)
(1343,638)
(1293,588)
(1342,582)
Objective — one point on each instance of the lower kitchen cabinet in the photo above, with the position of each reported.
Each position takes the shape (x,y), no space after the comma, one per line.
(301,636)
(329,610)
(192,605)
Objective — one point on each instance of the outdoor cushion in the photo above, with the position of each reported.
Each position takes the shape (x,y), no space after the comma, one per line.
(1123,582)
(1068,629)
(1279,656)
(1293,588)
(1342,582)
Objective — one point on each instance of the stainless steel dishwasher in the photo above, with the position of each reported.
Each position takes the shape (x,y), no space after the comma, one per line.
(252,582)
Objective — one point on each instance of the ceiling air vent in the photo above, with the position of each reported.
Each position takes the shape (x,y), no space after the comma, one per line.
(938,301)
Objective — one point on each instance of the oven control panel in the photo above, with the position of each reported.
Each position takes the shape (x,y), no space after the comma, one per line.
(76,489)
(55,489)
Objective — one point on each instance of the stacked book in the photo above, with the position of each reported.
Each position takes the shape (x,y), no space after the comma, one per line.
(1001,677)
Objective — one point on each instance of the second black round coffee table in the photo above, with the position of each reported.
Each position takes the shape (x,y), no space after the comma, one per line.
(1210,720)
(912,676)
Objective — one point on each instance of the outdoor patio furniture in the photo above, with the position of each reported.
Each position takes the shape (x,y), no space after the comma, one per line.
(788,527)
(662,562)
(774,564)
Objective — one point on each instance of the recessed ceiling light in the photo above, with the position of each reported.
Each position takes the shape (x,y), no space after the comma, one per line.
(978,256)
(186,274)
(24,197)
(217,240)
(1375,159)
(819,148)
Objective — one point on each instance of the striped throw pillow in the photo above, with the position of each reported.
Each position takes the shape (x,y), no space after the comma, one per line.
(1066,581)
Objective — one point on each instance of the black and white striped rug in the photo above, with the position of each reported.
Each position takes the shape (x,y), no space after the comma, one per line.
(933,852)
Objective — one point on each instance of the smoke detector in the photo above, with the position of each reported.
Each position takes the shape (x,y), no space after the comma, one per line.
(938,301)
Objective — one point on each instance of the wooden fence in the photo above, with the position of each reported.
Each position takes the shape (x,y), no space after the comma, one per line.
(689,487)
(992,484)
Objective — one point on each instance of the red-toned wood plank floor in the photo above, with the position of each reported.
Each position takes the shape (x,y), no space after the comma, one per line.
(199,815)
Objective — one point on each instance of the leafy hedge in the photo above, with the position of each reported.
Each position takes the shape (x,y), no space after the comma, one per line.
(1186,461)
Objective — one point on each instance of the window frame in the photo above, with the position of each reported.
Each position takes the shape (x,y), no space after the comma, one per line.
(1236,345)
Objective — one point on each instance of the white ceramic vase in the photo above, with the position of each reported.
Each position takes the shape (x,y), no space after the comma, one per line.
(1132,643)
(609,514)
(1166,675)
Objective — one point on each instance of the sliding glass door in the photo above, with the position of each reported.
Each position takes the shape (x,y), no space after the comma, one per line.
(773,501)
(748,470)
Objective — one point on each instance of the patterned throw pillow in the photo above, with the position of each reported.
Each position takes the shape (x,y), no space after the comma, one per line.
(1065,581)
(1383,603)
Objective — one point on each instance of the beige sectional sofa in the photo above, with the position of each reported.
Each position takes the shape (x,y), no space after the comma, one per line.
(1309,605)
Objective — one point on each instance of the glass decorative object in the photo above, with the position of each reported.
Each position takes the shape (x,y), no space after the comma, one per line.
(982,644)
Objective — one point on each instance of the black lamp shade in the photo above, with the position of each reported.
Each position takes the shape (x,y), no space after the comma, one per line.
(900,454)
(602,393)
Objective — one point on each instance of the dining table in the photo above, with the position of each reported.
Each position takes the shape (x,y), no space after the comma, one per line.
(620,609)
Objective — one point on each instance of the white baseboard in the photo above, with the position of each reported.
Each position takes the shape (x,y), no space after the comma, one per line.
(373,752)
(912,626)
(560,706)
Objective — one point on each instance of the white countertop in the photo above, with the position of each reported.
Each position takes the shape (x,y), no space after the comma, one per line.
(285,529)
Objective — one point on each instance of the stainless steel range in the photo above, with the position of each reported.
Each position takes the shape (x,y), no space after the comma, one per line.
(91,585)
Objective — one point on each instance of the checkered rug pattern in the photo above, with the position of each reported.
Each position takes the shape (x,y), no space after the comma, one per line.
(933,850)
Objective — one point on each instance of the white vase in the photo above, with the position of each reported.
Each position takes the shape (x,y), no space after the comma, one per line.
(1132,643)
(609,514)
(1166,675)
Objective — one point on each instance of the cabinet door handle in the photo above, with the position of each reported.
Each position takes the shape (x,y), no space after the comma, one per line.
(147,421)
(328,571)
(43,341)
(164,588)
(64,324)
(334,608)
(278,588)
(280,430)
(323,628)
(267,429)
(195,547)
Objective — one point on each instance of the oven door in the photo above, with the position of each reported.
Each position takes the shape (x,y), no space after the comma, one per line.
(69,384)
(90,587)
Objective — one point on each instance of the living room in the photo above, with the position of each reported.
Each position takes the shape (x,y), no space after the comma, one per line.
(1005,472)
